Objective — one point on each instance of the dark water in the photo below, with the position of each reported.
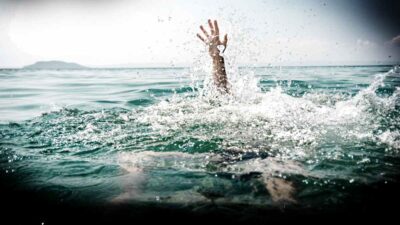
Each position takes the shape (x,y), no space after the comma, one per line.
(312,134)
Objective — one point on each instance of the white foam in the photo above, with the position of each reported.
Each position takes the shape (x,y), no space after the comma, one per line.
(292,127)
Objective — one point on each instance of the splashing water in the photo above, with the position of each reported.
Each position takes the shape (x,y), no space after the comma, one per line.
(179,143)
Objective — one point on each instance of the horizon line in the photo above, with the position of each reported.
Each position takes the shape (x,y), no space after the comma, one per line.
(184,67)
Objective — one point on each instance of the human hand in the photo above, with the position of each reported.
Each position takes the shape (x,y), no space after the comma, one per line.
(213,40)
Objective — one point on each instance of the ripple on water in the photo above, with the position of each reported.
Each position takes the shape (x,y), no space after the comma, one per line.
(207,147)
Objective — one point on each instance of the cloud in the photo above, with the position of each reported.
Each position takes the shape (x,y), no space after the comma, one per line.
(395,41)
(365,43)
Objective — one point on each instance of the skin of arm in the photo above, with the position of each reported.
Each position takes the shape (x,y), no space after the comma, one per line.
(213,41)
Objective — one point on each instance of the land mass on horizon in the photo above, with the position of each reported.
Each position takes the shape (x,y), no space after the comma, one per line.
(54,65)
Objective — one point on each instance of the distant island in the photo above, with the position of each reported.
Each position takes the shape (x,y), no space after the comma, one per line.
(54,65)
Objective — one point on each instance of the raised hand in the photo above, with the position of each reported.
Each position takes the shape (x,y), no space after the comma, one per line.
(216,47)
(213,40)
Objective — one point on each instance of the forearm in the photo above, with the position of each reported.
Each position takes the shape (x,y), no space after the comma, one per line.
(213,41)
(219,73)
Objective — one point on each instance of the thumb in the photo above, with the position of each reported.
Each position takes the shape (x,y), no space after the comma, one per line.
(225,41)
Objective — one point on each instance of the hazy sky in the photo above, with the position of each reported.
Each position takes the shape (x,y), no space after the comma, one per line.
(151,32)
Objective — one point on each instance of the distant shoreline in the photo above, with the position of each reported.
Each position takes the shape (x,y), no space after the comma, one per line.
(186,67)
(54,64)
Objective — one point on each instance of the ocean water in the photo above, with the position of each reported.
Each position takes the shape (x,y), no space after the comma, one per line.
(303,136)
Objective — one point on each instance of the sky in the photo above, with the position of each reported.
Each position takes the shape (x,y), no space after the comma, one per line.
(124,33)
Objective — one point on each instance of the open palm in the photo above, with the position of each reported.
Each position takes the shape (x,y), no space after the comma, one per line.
(213,40)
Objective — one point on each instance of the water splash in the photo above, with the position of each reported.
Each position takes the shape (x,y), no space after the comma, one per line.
(317,136)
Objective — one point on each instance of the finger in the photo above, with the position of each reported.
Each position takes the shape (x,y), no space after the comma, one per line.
(216,28)
(201,38)
(204,32)
(225,40)
(211,27)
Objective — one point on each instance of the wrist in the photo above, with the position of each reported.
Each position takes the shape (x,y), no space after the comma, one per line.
(217,58)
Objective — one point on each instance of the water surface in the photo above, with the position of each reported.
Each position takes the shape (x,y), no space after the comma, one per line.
(163,135)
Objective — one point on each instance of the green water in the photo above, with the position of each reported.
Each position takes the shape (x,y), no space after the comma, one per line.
(164,135)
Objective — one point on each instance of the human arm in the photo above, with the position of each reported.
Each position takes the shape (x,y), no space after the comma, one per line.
(215,48)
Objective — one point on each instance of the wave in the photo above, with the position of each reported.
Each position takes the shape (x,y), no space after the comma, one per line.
(317,135)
